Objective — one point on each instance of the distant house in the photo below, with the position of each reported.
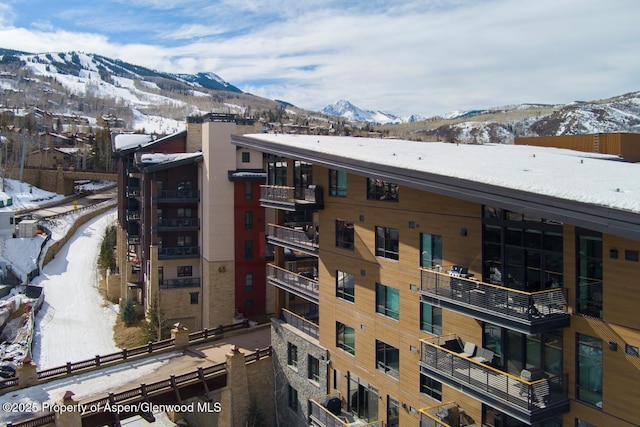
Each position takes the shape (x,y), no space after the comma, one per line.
(7,216)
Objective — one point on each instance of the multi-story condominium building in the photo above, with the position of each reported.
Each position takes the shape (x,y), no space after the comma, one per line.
(435,284)
(191,228)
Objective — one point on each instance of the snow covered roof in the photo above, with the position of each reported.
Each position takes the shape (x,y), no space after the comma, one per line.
(522,176)
(155,158)
(125,141)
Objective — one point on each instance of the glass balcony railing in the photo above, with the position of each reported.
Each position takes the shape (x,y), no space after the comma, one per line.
(527,312)
(321,416)
(294,238)
(179,252)
(295,283)
(180,282)
(532,400)
(300,323)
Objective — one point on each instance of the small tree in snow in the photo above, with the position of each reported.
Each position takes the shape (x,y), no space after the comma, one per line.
(128,314)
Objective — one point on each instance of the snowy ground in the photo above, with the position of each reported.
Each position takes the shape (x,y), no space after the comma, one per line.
(75,322)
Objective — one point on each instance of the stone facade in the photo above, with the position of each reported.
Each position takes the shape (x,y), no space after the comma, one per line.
(290,411)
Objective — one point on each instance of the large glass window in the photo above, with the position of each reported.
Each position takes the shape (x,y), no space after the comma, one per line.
(345,234)
(248,190)
(387,301)
(248,220)
(346,338)
(388,359)
(589,383)
(387,242)
(430,250)
(292,355)
(302,177)
(345,286)
(363,399)
(589,273)
(431,387)
(393,412)
(521,252)
(292,398)
(276,171)
(430,318)
(378,189)
(185,271)
(337,183)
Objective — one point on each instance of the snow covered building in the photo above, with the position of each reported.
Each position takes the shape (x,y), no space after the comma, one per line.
(7,216)
(191,225)
(436,284)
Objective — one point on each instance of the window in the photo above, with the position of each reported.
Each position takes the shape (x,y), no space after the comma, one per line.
(346,338)
(430,250)
(246,157)
(589,382)
(337,183)
(345,286)
(248,191)
(580,423)
(292,399)
(387,242)
(431,387)
(248,305)
(302,178)
(193,297)
(248,249)
(276,170)
(388,359)
(431,318)
(631,350)
(292,355)
(393,412)
(185,271)
(185,213)
(184,185)
(362,399)
(387,301)
(248,220)
(184,241)
(344,234)
(248,282)
(378,189)
(589,272)
(313,368)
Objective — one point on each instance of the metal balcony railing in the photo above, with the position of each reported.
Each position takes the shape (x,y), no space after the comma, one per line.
(300,323)
(322,417)
(532,399)
(284,197)
(179,252)
(527,312)
(134,239)
(445,415)
(133,192)
(178,223)
(180,282)
(294,238)
(178,195)
(292,282)
(133,215)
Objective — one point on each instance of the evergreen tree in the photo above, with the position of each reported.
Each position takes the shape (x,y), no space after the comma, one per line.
(107,259)
(128,314)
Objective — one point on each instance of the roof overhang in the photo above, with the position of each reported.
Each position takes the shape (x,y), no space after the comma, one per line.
(594,217)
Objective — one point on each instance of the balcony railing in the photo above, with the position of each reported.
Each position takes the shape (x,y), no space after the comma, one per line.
(300,323)
(181,282)
(134,239)
(531,400)
(178,195)
(445,415)
(133,192)
(526,312)
(178,223)
(283,197)
(179,252)
(293,238)
(322,417)
(292,282)
(133,215)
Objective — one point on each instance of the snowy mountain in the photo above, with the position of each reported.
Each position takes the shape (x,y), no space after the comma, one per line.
(344,108)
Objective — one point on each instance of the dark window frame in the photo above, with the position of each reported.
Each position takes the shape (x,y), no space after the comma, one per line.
(384,301)
(345,234)
(388,242)
(342,291)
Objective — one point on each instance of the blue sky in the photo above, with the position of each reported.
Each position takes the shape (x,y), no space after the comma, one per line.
(424,57)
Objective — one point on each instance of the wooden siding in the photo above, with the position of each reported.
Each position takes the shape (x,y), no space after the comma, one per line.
(626,145)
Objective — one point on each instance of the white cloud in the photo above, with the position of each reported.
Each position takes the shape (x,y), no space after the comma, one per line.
(424,57)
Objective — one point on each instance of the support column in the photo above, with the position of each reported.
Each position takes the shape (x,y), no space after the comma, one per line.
(72,415)
(237,378)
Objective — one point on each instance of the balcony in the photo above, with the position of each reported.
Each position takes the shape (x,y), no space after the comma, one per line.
(179,252)
(296,239)
(294,283)
(445,415)
(181,282)
(321,416)
(528,401)
(178,196)
(526,312)
(134,239)
(133,215)
(133,192)
(281,197)
(182,224)
(300,323)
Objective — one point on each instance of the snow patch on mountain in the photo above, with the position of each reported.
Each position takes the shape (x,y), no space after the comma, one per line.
(346,109)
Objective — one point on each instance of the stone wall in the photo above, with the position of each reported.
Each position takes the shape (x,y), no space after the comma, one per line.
(295,376)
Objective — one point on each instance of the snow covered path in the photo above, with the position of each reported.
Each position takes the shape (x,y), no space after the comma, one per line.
(75,322)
